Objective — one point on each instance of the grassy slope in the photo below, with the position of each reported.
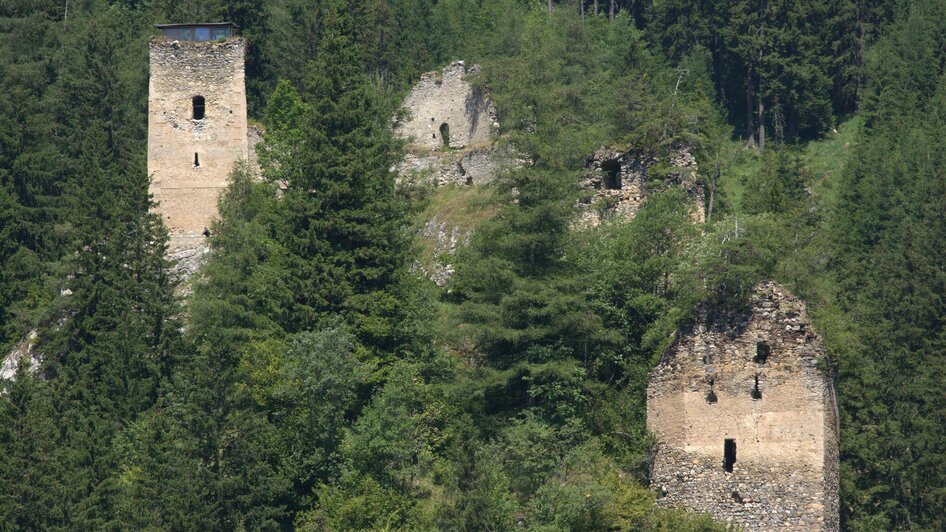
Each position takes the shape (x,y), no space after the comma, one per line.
(824,157)
(453,206)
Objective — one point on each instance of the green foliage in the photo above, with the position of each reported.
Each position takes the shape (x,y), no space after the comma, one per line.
(312,380)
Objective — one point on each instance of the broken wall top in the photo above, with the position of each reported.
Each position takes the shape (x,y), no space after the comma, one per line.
(445,110)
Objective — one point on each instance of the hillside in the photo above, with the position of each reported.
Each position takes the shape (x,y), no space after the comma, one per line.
(458,332)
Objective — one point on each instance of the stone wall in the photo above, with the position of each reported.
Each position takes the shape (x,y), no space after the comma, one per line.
(621,182)
(473,166)
(187,189)
(446,98)
(759,381)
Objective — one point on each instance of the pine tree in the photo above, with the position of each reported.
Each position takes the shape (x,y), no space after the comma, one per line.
(345,225)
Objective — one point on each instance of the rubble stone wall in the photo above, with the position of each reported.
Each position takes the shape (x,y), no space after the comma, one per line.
(632,173)
(447,97)
(779,409)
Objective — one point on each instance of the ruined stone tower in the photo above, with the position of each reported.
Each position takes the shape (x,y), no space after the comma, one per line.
(745,419)
(196,124)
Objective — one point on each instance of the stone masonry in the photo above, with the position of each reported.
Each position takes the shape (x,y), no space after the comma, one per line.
(449,126)
(746,421)
(190,158)
(447,99)
(621,182)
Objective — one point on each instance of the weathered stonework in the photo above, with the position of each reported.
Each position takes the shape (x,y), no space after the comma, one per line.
(190,158)
(447,99)
(445,102)
(475,166)
(620,181)
(759,382)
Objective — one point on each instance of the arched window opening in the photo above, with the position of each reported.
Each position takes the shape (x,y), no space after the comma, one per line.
(762,352)
(200,107)
(196,161)
(445,134)
(711,396)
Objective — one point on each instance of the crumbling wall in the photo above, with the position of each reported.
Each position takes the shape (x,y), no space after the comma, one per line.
(447,98)
(474,166)
(621,181)
(190,159)
(759,381)
(446,101)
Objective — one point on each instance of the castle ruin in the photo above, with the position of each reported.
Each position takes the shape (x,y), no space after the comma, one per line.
(621,180)
(746,421)
(197,127)
(449,126)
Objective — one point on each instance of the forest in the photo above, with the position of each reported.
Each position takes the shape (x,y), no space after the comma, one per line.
(314,380)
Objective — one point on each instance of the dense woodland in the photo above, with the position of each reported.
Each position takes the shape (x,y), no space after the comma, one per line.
(313,379)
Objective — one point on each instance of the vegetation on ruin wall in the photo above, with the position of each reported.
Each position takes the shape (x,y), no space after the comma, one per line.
(313,379)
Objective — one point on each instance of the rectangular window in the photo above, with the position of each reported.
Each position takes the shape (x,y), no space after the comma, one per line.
(729,454)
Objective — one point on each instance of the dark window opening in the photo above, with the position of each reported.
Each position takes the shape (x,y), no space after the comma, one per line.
(196,160)
(729,455)
(199,107)
(756,394)
(762,352)
(612,175)
(711,396)
(737,497)
(445,134)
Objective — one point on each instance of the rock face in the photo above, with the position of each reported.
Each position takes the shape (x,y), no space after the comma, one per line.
(197,130)
(621,181)
(23,350)
(446,239)
(746,421)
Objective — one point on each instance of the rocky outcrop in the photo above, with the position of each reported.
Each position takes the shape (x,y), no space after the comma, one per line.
(745,418)
(621,180)
(445,239)
(23,351)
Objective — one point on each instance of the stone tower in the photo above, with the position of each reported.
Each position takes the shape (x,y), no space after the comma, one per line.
(746,422)
(197,125)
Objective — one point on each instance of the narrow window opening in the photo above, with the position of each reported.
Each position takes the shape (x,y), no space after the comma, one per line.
(762,352)
(445,134)
(196,161)
(756,394)
(729,454)
(199,107)
(612,175)
(711,396)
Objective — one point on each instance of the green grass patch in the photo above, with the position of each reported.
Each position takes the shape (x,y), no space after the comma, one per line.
(825,158)
(453,206)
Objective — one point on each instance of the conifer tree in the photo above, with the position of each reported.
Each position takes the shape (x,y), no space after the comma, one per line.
(345,225)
